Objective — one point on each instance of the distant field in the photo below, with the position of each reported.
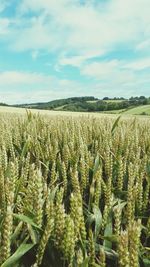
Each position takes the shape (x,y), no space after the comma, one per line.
(114,101)
(108,101)
(59,108)
(112,113)
(50,112)
(139,110)
(92,101)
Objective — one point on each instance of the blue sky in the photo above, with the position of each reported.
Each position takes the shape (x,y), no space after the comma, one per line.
(56,49)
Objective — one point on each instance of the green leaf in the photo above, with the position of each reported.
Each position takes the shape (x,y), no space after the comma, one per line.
(146,262)
(32,234)
(17,148)
(85,262)
(98,220)
(119,205)
(115,125)
(96,165)
(111,238)
(18,230)
(53,193)
(110,253)
(108,233)
(23,249)
(26,219)
(17,190)
(25,148)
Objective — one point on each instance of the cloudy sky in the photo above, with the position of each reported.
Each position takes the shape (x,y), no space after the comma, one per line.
(52,49)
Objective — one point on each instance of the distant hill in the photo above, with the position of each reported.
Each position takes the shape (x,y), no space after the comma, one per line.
(54,104)
(3,104)
(92,104)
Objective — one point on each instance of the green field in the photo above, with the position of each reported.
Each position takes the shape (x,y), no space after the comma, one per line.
(108,101)
(140,110)
(59,108)
(92,101)
(114,101)
(114,111)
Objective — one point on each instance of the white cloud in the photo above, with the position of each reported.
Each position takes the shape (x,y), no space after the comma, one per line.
(144,45)
(35,54)
(77,61)
(21,87)
(100,70)
(56,67)
(66,25)
(34,35)
(140,64)
(119,78)
(25,78)
(115,69)
(4,25)
(76,35)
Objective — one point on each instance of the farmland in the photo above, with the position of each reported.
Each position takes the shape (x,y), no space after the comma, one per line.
(140,110)
(91,104)
(74,189)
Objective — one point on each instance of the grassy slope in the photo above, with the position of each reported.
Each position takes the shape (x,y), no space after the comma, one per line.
(139,110)
(92,101)
(60,105)
(133,111)
(60,108)
(114,111)
(114,101)
(108,101)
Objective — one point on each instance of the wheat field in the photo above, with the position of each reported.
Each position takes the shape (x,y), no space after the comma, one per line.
(74,190)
